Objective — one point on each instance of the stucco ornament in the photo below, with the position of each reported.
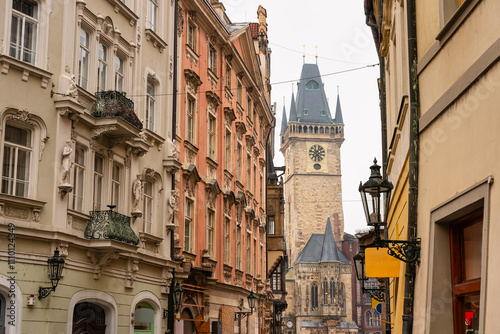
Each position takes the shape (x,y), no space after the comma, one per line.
(137,192)
(66,162)
(72,89)
(173,205)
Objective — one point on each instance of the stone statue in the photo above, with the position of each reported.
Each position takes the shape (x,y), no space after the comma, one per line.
(66,162)
(137,192)
(73,90)
(172,206)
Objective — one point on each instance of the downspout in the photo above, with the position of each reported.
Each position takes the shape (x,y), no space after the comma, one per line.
(413,163)
(171,316)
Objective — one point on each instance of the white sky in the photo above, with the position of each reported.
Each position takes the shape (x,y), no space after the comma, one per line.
(344,42)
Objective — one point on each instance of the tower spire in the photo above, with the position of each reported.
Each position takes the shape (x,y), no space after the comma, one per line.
(303,53)
(316,55)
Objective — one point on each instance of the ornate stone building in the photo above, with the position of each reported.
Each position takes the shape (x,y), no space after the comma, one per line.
(320,275)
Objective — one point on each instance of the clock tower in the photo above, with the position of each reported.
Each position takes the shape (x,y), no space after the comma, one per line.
(310,142)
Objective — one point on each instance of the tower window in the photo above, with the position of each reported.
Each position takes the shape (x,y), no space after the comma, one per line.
(306,111)
(312,85)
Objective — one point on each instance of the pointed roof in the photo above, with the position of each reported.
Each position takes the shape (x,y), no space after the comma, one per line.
(293,110)
(271,172)
(322,248)
(284,123)
(338,112)
(312,104)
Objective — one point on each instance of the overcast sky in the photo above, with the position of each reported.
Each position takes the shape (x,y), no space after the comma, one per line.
(344,43)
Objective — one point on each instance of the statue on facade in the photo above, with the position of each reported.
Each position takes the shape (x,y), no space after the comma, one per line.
(66,162)
(172,205)
(136,192)
(73,90)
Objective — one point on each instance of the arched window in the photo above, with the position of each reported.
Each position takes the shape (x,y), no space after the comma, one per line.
(305,129)
(327,131)
(144,318)
(189,327)
(300,129)
(332,291)
(87,316)
(314,296)
(315,129)
(325,291)
(321,130)
(312,85)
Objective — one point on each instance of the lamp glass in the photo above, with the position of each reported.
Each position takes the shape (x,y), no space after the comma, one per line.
(56,266)
(177,296)
(359,265)
(372,192)
(251,300)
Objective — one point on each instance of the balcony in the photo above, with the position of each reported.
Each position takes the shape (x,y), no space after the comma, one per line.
(110,225)
(115,104)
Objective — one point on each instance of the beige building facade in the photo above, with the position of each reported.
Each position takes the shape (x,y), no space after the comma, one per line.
(440,92)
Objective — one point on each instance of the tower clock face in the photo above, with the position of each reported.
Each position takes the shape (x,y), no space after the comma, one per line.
(316,153)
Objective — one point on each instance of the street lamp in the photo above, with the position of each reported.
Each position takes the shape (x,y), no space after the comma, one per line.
(376,196)
(177,297)
(251,304)
(56,266)
(359,265)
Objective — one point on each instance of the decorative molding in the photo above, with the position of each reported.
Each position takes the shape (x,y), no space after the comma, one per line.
(101,260)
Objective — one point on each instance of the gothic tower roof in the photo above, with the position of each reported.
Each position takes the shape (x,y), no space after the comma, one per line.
(284,123)
(312,104)
(293,110)
(322,248)
(338,112)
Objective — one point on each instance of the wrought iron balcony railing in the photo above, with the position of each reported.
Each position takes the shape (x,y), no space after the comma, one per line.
(114,104)
(112,225)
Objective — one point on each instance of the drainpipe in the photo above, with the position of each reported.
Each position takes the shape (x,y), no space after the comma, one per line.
(171,316)
(413,164)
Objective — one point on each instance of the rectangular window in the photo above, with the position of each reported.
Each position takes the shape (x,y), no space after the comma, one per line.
(83,61)
(16,161)
(212,58)
(188,226)
(211,136)
(466,244)
(239,93)
(238,247)
(24,30)
(150,106)
(191,36)
(227,240)
(102,67)
(249,107)
(261,188)
(152,14)
(276,279)
(78,178)
(228,76)
(255,257)
(248,258)
(249,172)
(228,155)
(190,119)
(270,225)
(261,259)
(254,189)
(210,232)
(115,185)
(148,207)
(119,76)
(239,162)
(98,177)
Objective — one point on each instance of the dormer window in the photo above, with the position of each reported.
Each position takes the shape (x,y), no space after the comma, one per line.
(312,85)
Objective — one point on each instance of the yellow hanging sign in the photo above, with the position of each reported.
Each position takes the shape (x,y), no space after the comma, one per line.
(380,264)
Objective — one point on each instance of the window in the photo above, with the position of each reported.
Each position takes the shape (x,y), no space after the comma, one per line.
(239,162)
(239,93)
(255,257)
(152,14)
(89,315)
(144,317)
(228,155)
(148,207)
(211,136)
(188,226)
(119,76)
(249,172)
(102,67)
(227,240)
(210,232)
(78,178)
(254,179)
(372,319)
(115,185)
(238,247)
(212,58)
(3,307)
(191,36)
(228,76)
(466,245)
(190,119)
(325,292)
(98,176)
(16,161)
(312,85)
(314,296)
(261,188)
(270,225)
(248,253)
(249,108)
(24,30)
(332,291)
(276,278)
(150,105)
(83,61)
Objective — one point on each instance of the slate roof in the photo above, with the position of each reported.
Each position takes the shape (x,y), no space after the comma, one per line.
(312,105)
(284,123)
(322,248)
(338,112)
(310,324)
(293,110)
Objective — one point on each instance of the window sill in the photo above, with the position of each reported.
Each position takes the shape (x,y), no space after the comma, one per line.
(154,138)
(152,37)
(228,94)
(19,208)
(192,55)
(212,77)
(150,242)
(27,69)
(120,7)
(456,20)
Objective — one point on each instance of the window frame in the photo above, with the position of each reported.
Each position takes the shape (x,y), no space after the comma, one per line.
(238,247)
(190,118)
(314,296)
(210,232)
(228,154)
(271,228)
(188,225)
(148,207)
(78,192)
(227,240)
(212,58)
(152,16)
(116,184)
(102,66)
(84,49)
(212,136)
(119,74)
(248,252)
(21,36)
(150,112)
(98,183)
